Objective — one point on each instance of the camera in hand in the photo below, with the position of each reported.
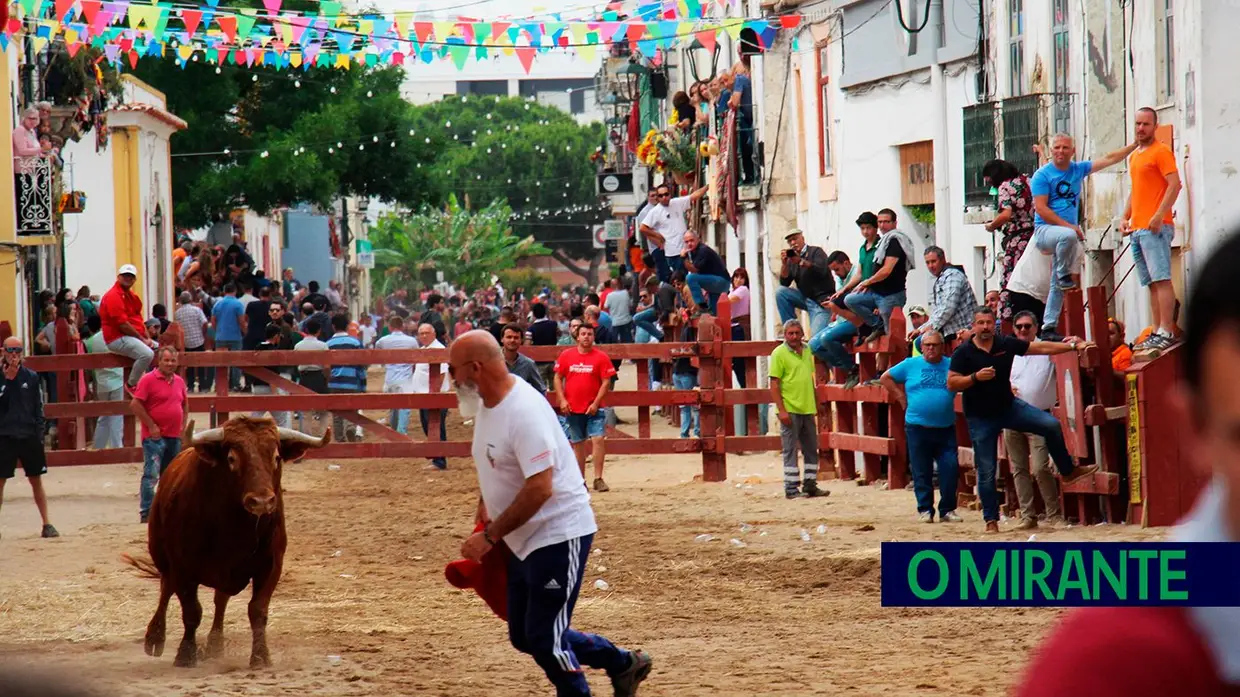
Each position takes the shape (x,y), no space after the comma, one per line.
(792,253)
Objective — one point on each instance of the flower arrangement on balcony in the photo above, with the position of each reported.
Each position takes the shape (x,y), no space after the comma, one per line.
(671,152)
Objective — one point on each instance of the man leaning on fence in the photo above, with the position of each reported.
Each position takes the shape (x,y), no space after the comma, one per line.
(792,390)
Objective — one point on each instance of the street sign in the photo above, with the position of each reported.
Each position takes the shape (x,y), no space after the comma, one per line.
(613,230)
(600,237)
(366,260)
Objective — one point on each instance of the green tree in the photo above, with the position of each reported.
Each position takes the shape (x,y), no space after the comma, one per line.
(468,247)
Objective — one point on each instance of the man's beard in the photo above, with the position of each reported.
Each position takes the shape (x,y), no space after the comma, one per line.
(470,401)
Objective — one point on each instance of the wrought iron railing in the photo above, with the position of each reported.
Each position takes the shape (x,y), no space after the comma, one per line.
(1010,128)
(979,148)
(1022,118)
(35,195)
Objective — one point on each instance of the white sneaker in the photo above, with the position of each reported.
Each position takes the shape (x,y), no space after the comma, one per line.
(951,517)
(925,517)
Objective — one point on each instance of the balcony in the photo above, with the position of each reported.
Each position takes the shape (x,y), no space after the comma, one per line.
(1010,128)
(37,179)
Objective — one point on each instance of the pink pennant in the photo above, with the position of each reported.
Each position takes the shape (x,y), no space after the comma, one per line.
(273,6)
(73,48)
(102,20)
(300,24)
(398,58)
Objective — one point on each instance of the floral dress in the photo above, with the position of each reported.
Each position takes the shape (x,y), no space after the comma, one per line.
(1017,232)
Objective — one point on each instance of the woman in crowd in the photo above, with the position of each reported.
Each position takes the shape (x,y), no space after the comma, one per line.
(739,297)
(1015,218)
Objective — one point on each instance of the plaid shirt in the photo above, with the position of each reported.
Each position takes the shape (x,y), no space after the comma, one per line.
(191,320)
(953,302)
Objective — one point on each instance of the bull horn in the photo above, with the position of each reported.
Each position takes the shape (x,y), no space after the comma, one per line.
(214,435)
(294,436)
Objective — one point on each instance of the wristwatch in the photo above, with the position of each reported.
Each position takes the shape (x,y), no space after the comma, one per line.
(486,535)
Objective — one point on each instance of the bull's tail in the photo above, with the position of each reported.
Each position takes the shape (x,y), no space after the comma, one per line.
(144,565)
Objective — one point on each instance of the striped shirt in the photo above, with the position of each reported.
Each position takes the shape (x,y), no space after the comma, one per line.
(192,321)
(346,377)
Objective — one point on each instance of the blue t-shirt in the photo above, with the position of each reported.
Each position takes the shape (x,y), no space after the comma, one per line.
(1062,189)
(930,403)
(227,313)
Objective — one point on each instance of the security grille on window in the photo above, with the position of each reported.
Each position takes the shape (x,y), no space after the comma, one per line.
(1016,47)
(1061,113)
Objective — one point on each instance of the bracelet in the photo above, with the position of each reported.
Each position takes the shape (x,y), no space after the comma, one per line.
(486,535)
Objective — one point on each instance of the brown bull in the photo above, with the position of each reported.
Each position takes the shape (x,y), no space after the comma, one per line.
(218,521)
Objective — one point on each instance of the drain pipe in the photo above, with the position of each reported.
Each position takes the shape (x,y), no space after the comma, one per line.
(942,167)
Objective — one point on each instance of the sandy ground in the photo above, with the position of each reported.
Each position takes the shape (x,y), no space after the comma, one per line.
(363,608)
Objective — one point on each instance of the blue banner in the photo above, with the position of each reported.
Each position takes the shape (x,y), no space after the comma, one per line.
(1063,574)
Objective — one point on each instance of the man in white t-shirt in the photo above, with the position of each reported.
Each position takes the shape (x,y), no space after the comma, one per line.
(397,377)
(422,385)
(530,482)
(1033,380)
(665,227)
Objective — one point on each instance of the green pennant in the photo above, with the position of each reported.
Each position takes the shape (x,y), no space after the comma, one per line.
(28,7)
(245,24)
(161,21)
(460,54)
(330,10)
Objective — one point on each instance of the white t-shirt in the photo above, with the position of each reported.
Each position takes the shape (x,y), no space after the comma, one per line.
(1033,377)
(398,374)
(669,221)
(368,334)
(1032,274)
(422,372)
(518,438)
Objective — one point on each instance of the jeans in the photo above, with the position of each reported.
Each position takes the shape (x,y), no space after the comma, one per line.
(283,419)
(542,590)
(699,282)
(802,435)
(661,269)
(624,333)
(424,414)
(828,344)
(689,415)
(646,321)
(1066,247)
(398,418)
(108,431)
(157,454)
(866,302)
(141,354)
(984,432)
(234,374)
(789,300)
(927,446)
(1151,254)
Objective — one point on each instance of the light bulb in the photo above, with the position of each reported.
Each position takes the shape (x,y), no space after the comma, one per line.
(410,131)
(361,147)
(447,124)
(393,143)
(428,140)
(296,83)
(331,151)
(369,93)
(339,144)
(227,151)
(333,89)
(374,139)
(217,70)
(488,117)
(253,78)
(264,154)
(488,151)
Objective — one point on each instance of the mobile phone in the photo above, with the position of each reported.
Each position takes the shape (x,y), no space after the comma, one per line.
(792,253)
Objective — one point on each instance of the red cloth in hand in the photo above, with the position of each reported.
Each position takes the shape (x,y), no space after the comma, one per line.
(489,578)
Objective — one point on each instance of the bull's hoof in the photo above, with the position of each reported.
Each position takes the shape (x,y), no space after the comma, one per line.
(187,656)
(215,646)
(154,646)
(260,660)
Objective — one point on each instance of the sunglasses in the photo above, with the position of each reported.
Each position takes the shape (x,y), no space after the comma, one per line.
(12,349)
(1024,326)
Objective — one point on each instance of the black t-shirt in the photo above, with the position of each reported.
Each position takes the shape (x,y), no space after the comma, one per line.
(257,315)
(894,283)
(989,398)
(543,332)
(497,330)
(707,262)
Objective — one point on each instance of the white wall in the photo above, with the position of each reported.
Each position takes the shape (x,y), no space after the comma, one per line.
(90,237)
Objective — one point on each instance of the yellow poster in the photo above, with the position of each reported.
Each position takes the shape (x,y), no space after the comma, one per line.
(1134,442)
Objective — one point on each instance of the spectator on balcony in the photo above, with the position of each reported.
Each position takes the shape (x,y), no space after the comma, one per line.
(808,267)
(50,150)
(707,276)
(1015,220)
(335,295)
(867,223)
(742,101)
(665,227)
(123,326)
(1149,225)
(951,297)
(1056,188)
(721,88)
(873,299)
(26,140)
(683,112)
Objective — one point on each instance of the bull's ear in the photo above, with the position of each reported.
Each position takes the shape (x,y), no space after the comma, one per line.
(212,454)
(294,445)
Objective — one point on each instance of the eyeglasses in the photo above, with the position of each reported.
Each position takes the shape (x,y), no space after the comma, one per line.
(1024,326)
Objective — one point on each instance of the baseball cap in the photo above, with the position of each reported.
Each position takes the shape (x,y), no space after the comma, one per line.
(917,310)
(127,269)
(793,233)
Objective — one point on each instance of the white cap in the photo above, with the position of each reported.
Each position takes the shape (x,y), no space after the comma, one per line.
(128,269)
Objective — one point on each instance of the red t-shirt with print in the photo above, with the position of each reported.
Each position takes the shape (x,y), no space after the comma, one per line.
(583,375)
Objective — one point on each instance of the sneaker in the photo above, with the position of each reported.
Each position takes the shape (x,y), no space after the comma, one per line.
(1056,521)
(49,530)
(951,517)
(600,485)
(1027,524)
(876,382)
(625,684)
(925,517)
(812,491)
(1050,334)
(1079,474)
(863,335)
(854,378)
(143,518)
(792,493)
(992,527)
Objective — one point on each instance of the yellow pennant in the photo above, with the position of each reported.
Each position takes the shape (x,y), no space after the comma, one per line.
(294,59)
(443,30)
(185,51)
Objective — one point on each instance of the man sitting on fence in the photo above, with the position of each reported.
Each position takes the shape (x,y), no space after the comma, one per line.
(919,385)
(161,402)
(22,427)
(981,369)
(828,343)
(345,379)
(792,390)
(808,267)
(582,377)
(875,297)
(123,328)
(707,275)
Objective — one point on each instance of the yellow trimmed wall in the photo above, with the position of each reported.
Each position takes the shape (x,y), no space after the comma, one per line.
(128,204)
(8,205)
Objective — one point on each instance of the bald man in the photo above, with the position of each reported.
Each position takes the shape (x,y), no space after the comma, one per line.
(528,475)
(21,427)
(428,339)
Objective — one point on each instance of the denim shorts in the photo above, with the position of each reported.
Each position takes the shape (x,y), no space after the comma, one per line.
(1151,254)
(584,426)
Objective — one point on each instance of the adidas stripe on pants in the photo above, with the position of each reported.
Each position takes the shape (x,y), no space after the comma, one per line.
(542,590)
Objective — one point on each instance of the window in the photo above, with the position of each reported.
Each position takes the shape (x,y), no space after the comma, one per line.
(1166,53)
(824,112)
(1061,114)
(917,167)
(1016,47)
(979,148)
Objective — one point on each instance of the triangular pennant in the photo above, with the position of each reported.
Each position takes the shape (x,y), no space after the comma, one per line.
(423,30)
(790,21)
(273,7)
(708,39)
(298,26)
(588,51)
(73,48)
(526,55)
(39,44)
(63,8)
(185,51)
(294,59)
(330,10)
(228,25)
(403,22)
(245,24)
(191,18)
(344,41)
(90,8)
(111,51)
(498,28)
(102,20)
(460,54)
(667,33)
(398,58)
(133,59)
(648,47)
(312,51)
(733,27)
(4,42)
(444,30)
